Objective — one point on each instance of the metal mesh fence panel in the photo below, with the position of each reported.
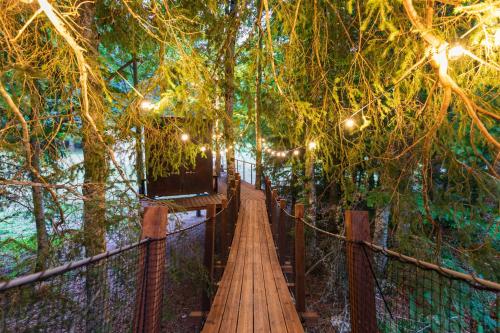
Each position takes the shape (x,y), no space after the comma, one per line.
(411,298)
(327,288)
(185,279)
(92,295)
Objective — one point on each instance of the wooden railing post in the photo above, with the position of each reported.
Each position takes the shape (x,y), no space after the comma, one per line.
(282,232)
(268,196)
(238,188)
(223,230)
(151,273)
(208,257)
(274,218)
(361,284)
(300,257)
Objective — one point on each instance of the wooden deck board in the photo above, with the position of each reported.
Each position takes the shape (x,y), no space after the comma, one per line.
(253,295)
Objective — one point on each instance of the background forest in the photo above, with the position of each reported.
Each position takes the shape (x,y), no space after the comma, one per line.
(389,106)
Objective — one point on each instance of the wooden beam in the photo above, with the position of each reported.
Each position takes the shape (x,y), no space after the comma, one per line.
(361,284)
(282,232)
(300,256)
(151,272)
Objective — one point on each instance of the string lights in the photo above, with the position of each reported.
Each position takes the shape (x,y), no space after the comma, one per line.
(350,123)
(146,105)
(184,137)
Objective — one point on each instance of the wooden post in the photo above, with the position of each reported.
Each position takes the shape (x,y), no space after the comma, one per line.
(151,274)
(282,232)
(237,192)
(274,218)
(238,188)
(268,197)
(361,284)
(223,230)
(300,257)
(208,257)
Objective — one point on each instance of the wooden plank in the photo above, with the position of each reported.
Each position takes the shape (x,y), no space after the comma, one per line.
(290,314)
(261,314)
(215,315)
(276,318)
(245,314)
(230,317)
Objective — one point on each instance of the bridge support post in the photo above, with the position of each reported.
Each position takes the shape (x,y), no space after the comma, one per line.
(282,232)
(300,256)
(223,230)
(274,222)
(208,257)
(268,196)
(361,284)
(151,273)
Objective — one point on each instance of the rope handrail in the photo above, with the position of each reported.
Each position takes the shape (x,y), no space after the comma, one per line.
(45,274)
(468,278)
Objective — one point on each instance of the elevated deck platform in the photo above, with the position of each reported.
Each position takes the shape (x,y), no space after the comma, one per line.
(253,295)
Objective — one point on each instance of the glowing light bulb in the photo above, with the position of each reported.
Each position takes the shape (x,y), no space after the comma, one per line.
(184,137)
(312,145)
(273,153)
(350,123)
(203,149)
(225,150)
(146,105)
(296,152)
(456,52)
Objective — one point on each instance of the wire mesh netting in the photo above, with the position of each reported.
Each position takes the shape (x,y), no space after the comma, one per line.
(410,298)
(87,296)
(186,278)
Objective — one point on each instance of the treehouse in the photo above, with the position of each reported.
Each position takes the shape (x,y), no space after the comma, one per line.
(190,182)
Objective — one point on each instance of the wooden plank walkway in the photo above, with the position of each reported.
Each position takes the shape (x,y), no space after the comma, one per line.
(253,295)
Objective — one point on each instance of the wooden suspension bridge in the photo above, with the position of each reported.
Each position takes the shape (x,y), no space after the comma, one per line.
(245,237)
(253,295)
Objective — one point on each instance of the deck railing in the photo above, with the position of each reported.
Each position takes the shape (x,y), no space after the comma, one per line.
(373,289)
(247,170)
(143,287)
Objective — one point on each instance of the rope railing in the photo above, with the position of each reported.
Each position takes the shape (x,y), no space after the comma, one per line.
(372,288)
(145,286)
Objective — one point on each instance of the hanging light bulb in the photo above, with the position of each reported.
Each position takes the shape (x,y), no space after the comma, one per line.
(350,123)
(456,52)
(146,105)
(312,145)
(296,152)
(184,137)
(203,149)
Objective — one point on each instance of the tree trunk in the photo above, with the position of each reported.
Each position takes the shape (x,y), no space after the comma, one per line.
(94,155)
(139,164)
(229,63)
(258,105)
(218,161)
(381,232)
(310,185)
(37,191)
(94,189)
